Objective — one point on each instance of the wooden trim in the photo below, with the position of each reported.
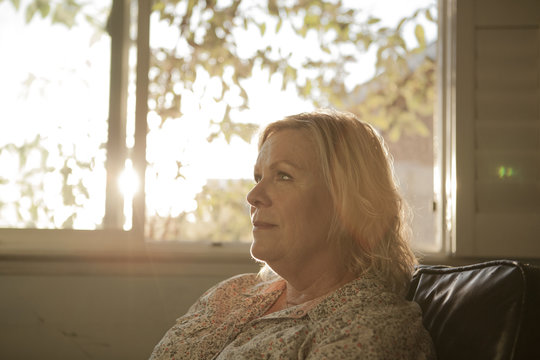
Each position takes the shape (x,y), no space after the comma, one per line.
(463,151)
(141,111)
(118,27)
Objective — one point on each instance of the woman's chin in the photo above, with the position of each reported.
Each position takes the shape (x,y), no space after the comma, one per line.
(261,252)
(255,253)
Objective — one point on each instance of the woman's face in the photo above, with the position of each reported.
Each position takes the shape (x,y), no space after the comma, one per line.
(291,208)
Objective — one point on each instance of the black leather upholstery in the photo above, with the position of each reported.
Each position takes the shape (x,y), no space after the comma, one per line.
(489,310)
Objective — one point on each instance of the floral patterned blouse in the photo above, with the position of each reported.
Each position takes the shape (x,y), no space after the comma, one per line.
(361,320)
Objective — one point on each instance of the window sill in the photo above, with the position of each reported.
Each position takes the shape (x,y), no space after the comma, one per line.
(108,244)
(114,252)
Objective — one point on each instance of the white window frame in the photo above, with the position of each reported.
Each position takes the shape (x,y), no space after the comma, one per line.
(116,243)
(445,131)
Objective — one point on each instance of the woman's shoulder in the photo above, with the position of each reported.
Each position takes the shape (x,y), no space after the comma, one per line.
(369,314)
(371,297)
(366,303)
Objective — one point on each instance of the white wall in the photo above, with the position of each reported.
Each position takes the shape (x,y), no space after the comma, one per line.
(97,310)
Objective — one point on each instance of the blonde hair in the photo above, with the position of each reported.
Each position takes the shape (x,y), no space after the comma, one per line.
(369,225)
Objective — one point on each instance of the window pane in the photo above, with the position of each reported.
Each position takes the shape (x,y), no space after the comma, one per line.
(216,78)
(54,91)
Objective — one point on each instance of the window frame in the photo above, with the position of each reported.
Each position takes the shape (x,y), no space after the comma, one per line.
(445,130)
(112,241)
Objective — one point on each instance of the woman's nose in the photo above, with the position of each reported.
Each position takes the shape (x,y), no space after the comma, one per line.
(258,196)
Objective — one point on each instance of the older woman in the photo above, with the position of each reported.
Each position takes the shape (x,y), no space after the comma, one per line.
(328,223)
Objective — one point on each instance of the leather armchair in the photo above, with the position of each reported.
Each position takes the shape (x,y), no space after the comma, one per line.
(489,310)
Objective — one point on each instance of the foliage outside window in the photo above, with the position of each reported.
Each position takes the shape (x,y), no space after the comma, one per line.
(54,119)
(208,63)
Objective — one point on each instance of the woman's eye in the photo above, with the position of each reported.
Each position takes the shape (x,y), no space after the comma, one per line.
(284,176)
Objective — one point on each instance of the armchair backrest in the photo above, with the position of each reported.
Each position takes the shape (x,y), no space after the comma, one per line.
(489,310)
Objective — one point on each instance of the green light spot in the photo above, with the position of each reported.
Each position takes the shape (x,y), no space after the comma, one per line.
(501,171)
(509,172)
(505,172)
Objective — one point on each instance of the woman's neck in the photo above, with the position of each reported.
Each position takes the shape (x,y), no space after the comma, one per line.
(297,292)
(311,287)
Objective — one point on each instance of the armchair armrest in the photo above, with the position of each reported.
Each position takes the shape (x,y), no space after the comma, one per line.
(489,310)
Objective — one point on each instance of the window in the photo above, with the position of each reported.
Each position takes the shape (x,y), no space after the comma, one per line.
(216,73)
(55,85)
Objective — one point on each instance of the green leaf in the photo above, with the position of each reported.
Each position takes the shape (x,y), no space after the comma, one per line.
(373,20)
(16,4)
(68,224)
(303,31)
(191,5)
(158,6)
(44,8)
(67,194)
(367,40)
(279,24)
(65,15)
(307,89)
(34,212)
(273,7)
(429,16)
(399,41)
(83,189)
(30,12)
(420,35)
(394,134)
(246,131)
(311,20)
(379,55)
(262,28)
(400,24)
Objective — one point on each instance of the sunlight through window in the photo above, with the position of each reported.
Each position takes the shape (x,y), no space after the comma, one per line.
(54,90)
(206,108)
(217,75)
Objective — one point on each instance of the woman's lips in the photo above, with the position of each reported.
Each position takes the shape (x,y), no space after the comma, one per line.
(261,225)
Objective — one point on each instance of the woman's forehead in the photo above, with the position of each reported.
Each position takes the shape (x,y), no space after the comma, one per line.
(291,145)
